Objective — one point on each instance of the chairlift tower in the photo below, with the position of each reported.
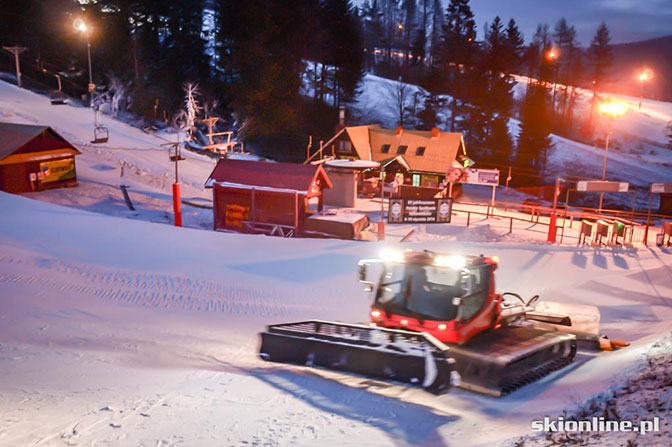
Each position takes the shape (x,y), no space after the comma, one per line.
(175,155)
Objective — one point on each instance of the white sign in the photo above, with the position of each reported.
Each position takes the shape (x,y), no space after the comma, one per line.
(602,186)
(472,176)
(660,188)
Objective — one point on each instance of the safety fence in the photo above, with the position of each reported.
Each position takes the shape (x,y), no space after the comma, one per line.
(588,226)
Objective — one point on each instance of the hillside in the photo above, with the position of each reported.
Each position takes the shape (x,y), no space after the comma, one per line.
(630,58)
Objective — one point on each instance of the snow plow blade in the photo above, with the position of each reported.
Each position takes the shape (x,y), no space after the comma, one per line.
(584,319)
(403,356)
(499,362)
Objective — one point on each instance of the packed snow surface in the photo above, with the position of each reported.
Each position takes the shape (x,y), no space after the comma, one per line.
(118,331)
(121,332)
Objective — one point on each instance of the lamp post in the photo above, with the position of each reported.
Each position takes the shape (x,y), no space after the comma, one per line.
(643,77)
(82,27)
(612,109)
(552,55)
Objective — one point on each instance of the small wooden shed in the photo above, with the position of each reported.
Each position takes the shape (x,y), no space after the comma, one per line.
(35,158)
(264,197)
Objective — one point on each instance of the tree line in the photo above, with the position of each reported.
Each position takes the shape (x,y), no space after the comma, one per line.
(278,70)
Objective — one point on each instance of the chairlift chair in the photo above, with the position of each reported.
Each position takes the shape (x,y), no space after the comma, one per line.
(100,133)
(57,97)
(175,152)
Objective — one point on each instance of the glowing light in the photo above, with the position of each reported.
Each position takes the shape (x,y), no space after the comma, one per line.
(495,259)
(400,26)
(614,108)
(456,262)
(404,322)
(375,313)
(442,327)
(646,75)
(389,255)
(552,54)
(80,25)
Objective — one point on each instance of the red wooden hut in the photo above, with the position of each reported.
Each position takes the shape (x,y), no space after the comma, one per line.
(34,158)
(264,197)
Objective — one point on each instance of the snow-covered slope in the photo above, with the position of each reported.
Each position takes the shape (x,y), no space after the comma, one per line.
(637,151)
(120,332)
(147,168)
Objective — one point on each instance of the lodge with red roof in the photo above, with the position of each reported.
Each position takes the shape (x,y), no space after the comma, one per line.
(35,158)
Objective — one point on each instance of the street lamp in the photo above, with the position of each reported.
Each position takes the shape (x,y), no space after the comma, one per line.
(612,109)
(552,55)
(643,77)
(82,27)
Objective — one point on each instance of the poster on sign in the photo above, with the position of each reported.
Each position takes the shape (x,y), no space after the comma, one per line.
(420,210)
(472,176)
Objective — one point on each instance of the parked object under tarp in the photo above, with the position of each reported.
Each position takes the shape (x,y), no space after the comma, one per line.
(337,223)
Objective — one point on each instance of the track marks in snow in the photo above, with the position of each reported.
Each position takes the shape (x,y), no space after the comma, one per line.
(161,291)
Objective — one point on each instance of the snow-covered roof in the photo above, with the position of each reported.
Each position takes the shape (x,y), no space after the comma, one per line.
(274,176)
(352,164)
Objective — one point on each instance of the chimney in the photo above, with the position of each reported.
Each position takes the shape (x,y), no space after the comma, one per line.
(400,130)
(435,132)
(341,119)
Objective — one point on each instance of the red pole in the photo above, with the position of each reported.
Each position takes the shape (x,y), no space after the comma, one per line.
(381,230)
(552,229)
(176,204)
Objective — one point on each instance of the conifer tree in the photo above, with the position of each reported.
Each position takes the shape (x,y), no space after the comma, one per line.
(534,141)
(601,58)
(458,54)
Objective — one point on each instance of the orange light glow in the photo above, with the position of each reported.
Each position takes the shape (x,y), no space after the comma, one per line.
(613,108)
(646,75)
(552,54)
(495,259)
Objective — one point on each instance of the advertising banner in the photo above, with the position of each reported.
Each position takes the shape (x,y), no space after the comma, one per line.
(53,171)
(420,210)
(236,214)
(472,176)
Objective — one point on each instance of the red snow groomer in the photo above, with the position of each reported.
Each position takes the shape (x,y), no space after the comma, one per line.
(437,321)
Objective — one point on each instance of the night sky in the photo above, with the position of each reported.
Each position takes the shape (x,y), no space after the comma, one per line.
(628,20)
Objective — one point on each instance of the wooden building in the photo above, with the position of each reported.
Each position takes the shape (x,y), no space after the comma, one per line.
(427,154)
(35,158)
(265,197)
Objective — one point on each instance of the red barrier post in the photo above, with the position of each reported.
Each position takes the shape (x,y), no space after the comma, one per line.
(381,230)
(552,229)
(176,204)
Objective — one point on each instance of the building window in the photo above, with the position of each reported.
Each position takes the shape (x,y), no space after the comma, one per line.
(402,149)
(385,149)
(420,151)
(416,179)
(429,181)
(345,146)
